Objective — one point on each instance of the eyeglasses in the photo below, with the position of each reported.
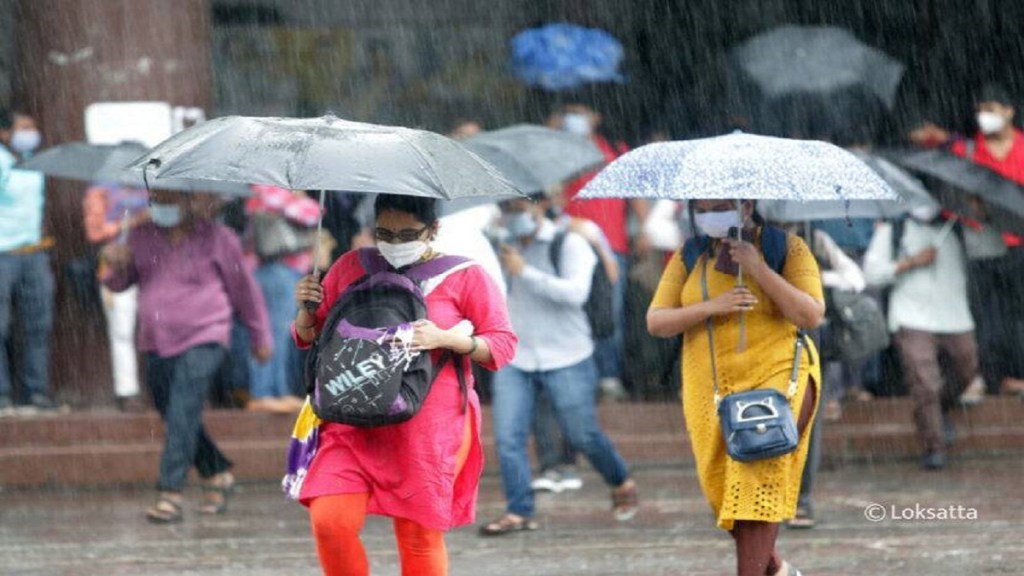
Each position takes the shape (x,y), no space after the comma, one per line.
(407,235)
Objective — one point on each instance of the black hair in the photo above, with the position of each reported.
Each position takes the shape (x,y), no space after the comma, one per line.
(993,92)
(424,209)
(6,118)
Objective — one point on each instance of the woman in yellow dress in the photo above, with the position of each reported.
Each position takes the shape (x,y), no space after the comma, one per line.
(749,499)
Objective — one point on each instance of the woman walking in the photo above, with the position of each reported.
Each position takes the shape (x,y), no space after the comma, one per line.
(424,472)
(703,301)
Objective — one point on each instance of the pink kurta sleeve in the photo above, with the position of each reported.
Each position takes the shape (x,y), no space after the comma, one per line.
(482,303)
(345,270)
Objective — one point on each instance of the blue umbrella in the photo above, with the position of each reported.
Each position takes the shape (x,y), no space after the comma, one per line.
(564,56)
(739,166)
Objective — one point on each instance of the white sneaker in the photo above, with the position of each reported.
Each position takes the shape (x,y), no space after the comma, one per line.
(613,389)
(571,479)
(548,481)
(974,393)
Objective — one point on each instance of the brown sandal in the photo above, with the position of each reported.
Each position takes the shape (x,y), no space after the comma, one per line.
(625,501)
(506,525)
(165,511)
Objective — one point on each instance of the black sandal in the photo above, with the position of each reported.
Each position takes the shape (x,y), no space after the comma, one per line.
(506,525)
(217,498)
(165,511)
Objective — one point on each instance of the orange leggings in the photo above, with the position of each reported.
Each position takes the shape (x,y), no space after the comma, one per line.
(337,520)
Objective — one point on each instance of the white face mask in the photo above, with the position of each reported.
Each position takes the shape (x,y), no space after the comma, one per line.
(25,141)
(717,224)
(925,213)
(990,123)
(165,215)
(520,225)
(577,124)
(399,255)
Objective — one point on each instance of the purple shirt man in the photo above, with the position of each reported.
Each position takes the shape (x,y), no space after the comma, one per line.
(188,291)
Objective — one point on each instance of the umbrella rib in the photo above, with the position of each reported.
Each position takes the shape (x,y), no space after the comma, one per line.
(426,160)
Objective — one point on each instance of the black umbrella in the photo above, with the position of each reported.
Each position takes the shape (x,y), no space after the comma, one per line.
(806,80)
(959,183)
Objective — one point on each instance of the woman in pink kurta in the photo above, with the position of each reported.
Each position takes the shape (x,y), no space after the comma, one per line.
(423,472)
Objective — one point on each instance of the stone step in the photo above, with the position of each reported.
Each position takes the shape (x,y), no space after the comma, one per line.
(109,448)
(107,426)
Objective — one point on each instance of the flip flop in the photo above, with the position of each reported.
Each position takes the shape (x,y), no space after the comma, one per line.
(506,525)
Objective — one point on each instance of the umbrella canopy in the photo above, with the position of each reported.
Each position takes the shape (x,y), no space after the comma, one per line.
(549,156)
(739,166)
(564,56)
(325,153)
(817,60)
(958,183)
(912,194)
(108,162)
(806,81)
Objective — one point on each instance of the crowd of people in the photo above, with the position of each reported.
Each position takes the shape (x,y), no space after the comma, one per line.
(218,296)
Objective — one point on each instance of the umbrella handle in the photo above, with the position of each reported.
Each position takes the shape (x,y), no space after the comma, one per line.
(310,306)
(741,345)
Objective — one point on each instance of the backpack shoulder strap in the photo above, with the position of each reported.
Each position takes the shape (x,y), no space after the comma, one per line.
(555,250)
(774,245)
(692,249)
(898,226)
(372,261)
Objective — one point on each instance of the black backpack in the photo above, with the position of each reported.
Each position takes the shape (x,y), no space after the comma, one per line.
(598,306)
(356,374)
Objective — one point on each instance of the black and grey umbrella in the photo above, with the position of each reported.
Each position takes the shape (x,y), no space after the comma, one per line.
(959,184)
(811,78)
(108,163)
(548,156)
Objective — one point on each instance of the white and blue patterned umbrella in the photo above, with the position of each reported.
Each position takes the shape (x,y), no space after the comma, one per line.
(739,166)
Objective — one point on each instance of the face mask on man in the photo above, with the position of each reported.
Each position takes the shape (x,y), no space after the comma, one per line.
(404,254)
(165,215)
(520,224)
(990,123)
(25,141)
(717,224)
(578,124)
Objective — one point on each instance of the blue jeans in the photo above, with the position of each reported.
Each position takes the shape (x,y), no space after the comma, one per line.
(179,385)
(571,391)
(608,353)
(552,448)
(26,290)
(276,377)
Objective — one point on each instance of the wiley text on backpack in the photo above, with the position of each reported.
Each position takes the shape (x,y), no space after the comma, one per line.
(362,370)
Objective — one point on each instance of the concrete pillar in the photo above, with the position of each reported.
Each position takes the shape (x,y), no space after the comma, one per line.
(69,54)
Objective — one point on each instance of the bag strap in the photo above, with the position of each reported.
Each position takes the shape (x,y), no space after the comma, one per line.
(799,345)
(555,251)
(460,373)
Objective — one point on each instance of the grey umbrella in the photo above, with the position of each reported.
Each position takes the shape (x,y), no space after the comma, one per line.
(959,183)
(325,153)
(107,163)
(911,191)
(549,156)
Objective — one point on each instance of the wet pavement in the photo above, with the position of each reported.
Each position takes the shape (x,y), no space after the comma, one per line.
(965,520)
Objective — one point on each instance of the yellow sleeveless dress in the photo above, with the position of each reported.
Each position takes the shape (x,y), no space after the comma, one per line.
(764,490)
